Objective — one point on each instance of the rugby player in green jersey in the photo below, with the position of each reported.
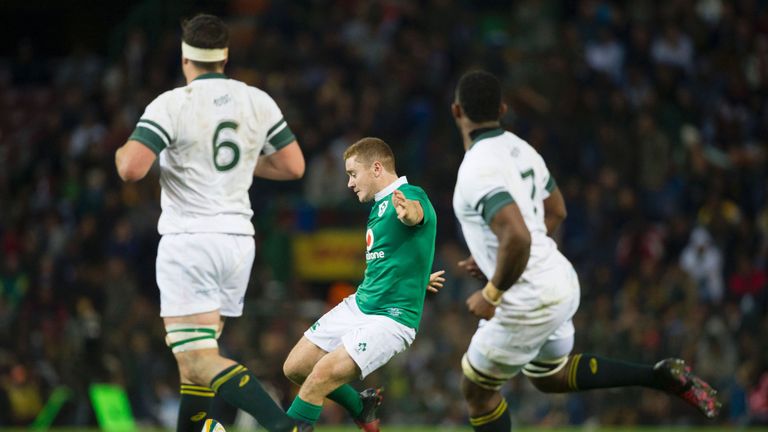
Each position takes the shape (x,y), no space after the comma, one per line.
(368,328)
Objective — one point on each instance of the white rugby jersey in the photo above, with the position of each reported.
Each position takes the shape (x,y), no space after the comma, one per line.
(209,135)
(500,168)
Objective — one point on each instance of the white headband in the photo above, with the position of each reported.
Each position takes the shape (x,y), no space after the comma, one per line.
(203,54)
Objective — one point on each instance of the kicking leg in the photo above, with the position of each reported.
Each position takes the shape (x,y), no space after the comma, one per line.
(301,360)
(299,364)
(329,373)
(580,372)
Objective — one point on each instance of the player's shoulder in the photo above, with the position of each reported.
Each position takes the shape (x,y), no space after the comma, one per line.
(411,190)
(522,147)
(255,93)
(169,96)
(479,158)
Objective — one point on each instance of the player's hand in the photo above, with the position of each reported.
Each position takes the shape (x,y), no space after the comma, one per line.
(471,267)
(408,211)
(436,281)
(479,306)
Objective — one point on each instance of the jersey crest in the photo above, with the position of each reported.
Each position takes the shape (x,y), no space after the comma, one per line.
(383,207)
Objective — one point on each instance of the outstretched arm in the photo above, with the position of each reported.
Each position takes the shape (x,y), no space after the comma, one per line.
(408,211)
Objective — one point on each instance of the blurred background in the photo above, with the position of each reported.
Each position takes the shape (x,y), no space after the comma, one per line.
(651,115)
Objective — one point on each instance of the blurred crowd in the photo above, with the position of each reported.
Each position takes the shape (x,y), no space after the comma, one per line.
(652,116)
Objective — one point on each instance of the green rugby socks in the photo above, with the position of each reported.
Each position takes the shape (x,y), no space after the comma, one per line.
(349,398)
(588,371)
(194,406)
(304,411)
(495,421)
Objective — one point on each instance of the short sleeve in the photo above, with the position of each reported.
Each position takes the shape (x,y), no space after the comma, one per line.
(155,127)
(419,195)
(482,186)
(279,134)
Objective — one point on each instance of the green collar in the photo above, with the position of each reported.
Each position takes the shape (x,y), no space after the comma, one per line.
(486,133)
(210,75)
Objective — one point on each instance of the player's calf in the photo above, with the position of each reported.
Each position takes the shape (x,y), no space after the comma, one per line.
(197,353)
(194,407)
(488,411)
(589,371)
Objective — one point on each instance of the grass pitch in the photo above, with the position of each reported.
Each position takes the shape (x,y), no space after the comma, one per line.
(465,429)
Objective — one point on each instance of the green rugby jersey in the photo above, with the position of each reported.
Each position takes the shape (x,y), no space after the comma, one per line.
(398,258)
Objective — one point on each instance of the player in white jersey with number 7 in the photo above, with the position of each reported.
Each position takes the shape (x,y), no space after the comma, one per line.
(507,202)
(211,137)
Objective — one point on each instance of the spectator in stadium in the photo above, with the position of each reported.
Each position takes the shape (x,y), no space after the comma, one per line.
(703,261)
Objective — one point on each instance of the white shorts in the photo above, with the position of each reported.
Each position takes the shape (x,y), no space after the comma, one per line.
(504,344)
(203,272)
(371,340)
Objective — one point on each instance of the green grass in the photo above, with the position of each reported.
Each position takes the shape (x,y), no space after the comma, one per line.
(438,429)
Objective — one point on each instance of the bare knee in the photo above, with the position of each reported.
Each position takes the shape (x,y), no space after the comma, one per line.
(549,377)
(301,360)
(200,366)
(331,371)
(296,370)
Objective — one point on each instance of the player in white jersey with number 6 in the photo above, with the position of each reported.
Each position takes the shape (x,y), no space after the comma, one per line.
(211,137)
(507,202)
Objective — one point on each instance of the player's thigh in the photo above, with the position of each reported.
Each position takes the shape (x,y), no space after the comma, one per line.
(212,318)
(302,358)
(559,344)
(236,261)
(552,357)
(493,357)
(327,331)
(373,344)
(187,275)
(192,338)
(501,348)
(336,368)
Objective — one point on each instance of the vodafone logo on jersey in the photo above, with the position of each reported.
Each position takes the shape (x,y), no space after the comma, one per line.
(368,239)
(368,245)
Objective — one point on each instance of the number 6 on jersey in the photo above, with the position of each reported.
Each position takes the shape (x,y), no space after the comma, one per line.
(226,152)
